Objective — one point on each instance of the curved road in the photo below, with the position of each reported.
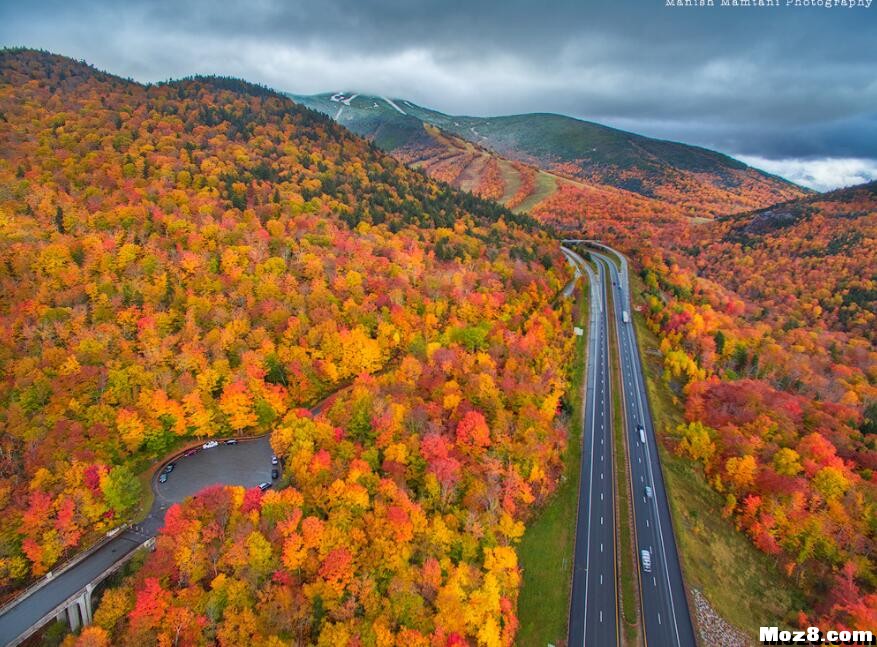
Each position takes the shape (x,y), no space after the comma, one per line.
(662,591)
(594,615)
(247,463)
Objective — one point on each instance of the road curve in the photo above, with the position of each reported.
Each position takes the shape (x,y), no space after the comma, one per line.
(662,591)
(248,463)
(593,617)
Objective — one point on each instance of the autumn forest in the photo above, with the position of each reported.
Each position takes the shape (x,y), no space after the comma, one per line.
(206,258)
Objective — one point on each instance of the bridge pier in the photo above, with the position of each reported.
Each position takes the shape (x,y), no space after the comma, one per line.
(79,612)
(73,616)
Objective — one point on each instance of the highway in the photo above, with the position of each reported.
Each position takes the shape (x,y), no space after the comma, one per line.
(593,618)
(662,593)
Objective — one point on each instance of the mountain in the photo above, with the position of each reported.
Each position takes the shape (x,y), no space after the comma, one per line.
(544,151)
(204,258)
(818,252)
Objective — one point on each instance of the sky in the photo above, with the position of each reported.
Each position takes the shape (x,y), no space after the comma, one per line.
(790,89)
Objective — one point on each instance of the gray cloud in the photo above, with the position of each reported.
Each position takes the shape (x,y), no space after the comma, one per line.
(784,82)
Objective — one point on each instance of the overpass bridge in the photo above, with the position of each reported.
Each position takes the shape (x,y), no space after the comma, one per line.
(66,595)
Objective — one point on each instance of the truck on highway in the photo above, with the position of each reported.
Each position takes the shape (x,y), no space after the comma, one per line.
(625,317)
(642,434)
(646,558)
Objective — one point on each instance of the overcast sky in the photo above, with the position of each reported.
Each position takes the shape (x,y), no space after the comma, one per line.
(792,89)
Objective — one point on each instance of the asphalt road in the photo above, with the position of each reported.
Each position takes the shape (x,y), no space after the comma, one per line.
(662,592)
(594,616)
(247,463)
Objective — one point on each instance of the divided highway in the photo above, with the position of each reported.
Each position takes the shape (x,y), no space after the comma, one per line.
(662,592)
(593,618)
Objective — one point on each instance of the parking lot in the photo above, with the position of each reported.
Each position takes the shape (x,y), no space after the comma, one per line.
(247,463)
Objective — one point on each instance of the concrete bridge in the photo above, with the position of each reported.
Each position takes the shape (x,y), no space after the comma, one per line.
(67,594)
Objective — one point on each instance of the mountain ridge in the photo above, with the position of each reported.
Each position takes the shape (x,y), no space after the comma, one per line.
(698,181)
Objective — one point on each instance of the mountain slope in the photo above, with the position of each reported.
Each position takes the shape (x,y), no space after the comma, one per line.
(697,181)
(818,252)
(204,258)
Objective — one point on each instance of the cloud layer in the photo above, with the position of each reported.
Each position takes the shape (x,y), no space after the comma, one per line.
(775,84)
(819,174)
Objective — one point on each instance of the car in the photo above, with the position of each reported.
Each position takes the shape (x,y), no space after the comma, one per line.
(264,486)
(210,444)
(646,558)
(648,492)
(274,460)
(274,474)
(169,468)
(231,441)
(163,477)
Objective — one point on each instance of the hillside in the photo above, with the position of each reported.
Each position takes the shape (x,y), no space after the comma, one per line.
(766,323)
(203,258)
(819,253)
(696,182)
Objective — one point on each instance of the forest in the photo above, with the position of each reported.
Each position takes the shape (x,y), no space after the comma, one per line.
(767,321)
(204,258)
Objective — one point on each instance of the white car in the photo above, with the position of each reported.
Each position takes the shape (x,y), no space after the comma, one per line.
(648,492)
(274,460)
(210,444)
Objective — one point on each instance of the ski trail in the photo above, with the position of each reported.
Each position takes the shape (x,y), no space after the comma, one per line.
(394,105)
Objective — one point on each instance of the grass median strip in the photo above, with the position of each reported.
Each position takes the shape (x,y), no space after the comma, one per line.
(546,549)
(627,583)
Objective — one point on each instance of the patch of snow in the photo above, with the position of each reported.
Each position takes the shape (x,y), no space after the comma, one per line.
(338,114)
(347,101)
(336,97)
(394,105)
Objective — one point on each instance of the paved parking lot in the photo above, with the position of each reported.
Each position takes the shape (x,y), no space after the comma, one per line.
(247,463)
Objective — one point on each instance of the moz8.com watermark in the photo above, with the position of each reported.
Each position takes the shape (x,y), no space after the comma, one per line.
(814,636)
(794,4)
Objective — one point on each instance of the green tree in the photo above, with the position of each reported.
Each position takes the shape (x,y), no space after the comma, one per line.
(121,489)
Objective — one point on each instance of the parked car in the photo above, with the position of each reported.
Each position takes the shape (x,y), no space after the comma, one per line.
(648,492)
(275,474)
(163,477)
(210,444)
(264,486)
(169,468)
(274,460)
(231,441)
